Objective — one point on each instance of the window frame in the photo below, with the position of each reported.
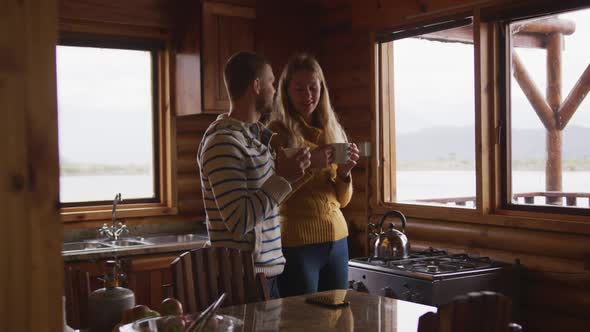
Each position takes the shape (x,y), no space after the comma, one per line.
(385,114)
(164,201)
(504,70)
(489,133)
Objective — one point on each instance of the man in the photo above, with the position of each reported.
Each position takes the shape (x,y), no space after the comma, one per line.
(241,186)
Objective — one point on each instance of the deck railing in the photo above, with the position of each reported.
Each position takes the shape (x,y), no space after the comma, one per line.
(459,201)
(571,199)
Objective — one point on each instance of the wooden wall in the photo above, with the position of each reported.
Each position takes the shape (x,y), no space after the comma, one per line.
(190,130)
(556,285)
(279,32)
(30,261)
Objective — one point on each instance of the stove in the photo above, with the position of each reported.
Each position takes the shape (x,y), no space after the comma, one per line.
(431,277)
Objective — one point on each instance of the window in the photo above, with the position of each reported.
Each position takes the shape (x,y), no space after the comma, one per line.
(111,132)
(547,121)
(428,119)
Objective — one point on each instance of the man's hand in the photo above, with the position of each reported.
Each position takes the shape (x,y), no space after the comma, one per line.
(292,168)
(353,156)
(322,157)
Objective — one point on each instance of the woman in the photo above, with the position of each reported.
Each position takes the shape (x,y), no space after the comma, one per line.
(313,229)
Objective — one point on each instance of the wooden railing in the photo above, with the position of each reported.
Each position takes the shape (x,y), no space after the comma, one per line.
(571,199)
(459,201)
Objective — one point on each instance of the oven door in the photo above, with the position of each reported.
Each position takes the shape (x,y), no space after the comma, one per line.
(430,292)
(391,285)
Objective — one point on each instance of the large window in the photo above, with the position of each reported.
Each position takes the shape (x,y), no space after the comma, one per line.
(548,119)
(428,116)
(108,124)
(492,117)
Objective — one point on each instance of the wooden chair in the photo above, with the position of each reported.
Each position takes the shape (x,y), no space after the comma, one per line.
(475,312)
(200,276)
(77,290)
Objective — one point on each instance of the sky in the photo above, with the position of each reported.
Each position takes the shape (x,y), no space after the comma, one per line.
(103,94)
(434,80)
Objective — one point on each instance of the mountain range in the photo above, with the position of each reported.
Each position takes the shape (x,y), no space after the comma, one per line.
(457,143)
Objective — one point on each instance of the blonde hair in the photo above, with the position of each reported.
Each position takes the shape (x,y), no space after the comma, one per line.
(323,116)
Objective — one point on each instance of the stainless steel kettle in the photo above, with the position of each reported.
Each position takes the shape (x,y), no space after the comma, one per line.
(390,243)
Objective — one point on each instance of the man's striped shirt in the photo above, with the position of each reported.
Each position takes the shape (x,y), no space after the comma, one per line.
(241,192)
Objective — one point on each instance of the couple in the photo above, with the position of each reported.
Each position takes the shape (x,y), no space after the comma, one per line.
(286,208)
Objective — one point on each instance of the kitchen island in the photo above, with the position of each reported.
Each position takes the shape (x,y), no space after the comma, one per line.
(366,312)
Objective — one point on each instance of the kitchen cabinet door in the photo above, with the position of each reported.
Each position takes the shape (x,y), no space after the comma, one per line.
(226,30)
(147,276)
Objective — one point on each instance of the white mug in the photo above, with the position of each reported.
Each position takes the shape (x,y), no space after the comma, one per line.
(340,153)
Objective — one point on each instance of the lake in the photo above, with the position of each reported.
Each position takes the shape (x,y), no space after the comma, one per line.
(410,185)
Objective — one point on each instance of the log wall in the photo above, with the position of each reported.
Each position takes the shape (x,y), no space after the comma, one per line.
(556,284)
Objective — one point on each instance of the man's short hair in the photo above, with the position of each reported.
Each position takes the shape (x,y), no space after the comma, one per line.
(240,70)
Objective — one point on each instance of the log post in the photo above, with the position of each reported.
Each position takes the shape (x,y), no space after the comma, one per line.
(554,142)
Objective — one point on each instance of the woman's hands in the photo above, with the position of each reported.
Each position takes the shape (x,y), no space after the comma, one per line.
(292,168)
(322,157)
(343,170)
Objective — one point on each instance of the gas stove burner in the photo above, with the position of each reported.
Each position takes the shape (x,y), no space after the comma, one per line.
(431,268)
(432,252)
(430,276)
(429,262)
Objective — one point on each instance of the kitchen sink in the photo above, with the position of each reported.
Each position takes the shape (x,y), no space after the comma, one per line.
(174,238)
(71,246)
(126,243)
(130,242)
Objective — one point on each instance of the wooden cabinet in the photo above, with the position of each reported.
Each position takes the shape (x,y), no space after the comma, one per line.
(187,57)
(147,276)
(226,30)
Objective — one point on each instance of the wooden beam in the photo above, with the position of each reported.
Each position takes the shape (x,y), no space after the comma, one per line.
(546,26)
(574,99)
(464,35)
(553,173)
(532,93)
(31,281)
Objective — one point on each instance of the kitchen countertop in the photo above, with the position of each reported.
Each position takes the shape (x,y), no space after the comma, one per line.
(195,241)
(366,312)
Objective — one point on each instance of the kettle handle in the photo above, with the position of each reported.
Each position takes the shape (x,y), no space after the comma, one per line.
(372,228)
(396,214)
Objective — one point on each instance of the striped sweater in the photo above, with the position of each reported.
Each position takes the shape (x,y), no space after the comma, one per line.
(241,192)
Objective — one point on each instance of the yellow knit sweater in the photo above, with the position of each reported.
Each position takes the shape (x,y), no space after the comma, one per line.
(311,214)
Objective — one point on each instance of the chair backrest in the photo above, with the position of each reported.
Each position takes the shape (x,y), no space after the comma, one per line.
(77,291)
(200,276)
(475,312)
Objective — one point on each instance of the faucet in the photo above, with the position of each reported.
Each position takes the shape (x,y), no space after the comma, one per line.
(116,229)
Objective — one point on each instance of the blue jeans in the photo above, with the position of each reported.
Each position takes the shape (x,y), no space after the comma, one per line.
(273,287)
(315,268)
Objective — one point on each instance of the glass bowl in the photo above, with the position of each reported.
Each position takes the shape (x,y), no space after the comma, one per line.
(217,323)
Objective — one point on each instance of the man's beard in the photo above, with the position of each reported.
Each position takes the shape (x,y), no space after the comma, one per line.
(263,106)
